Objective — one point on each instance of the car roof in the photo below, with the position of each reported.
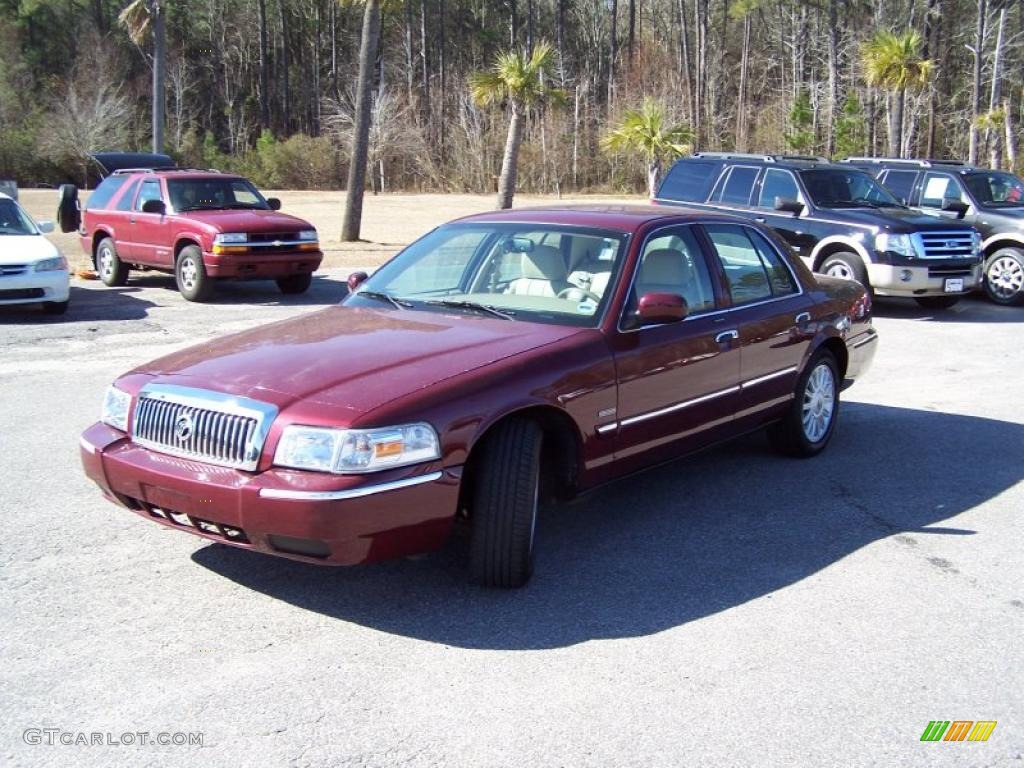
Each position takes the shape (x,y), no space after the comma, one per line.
(180,173)
(623,218)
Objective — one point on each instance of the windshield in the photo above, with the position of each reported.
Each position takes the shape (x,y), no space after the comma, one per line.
(540,273)
(13,220)
(213,194)
(996,189)
(834,188)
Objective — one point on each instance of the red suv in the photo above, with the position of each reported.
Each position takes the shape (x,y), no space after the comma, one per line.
(200,225)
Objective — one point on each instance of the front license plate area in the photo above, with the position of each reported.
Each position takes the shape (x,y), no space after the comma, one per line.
(167,500)
(954,285)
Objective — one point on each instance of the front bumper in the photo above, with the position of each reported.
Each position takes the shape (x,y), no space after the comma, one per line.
(262,265)
(325,519)
(34,287)
(922,280)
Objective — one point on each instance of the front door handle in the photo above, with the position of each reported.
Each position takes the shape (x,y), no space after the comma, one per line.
(131,220)
(725,336)
(803,317)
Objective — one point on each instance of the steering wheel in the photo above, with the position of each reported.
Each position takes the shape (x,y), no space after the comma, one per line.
(564,293)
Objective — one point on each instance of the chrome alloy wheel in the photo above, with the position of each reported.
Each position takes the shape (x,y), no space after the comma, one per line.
(106,262)
(819,403)
(189,273)
(840,269)
(1005,277)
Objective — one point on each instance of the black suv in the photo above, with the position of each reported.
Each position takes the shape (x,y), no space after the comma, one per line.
(839,219)
(991,201)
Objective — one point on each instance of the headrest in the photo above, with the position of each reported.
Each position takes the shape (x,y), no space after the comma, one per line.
(664,266)
(544,262)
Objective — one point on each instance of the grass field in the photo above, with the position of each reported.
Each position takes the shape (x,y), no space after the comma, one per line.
(389,221)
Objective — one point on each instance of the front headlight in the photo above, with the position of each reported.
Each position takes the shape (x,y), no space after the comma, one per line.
(116,405)
(230,238)
(976,241)
(356,450)
(308,234)
(52,265)
(899,244)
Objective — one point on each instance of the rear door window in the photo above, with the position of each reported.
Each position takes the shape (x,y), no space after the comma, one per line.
(900,183)
(738,185)
(689,181)
(752,273)
(101,196)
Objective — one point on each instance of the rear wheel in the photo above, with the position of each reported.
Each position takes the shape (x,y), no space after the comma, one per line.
(113,271)
(504,513)
(937,302)
(808,427)
(190,274)
(845,265)
(294,283)
(1004,276)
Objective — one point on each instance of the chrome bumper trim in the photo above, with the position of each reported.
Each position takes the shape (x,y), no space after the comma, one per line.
(348,493)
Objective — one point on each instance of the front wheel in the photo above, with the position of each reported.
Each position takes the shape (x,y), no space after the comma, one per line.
(190,274)
(1004,276)
(937,302)
(845,265)
(811,420)
(504,513)
(294,283)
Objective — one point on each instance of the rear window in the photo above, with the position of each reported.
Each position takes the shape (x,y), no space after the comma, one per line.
(100,198)
(689,181)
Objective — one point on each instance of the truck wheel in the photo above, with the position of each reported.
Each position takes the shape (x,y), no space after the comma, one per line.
(190,274)
(937,302)
(294,283)
(113,271)
(1004,276)
(504,513)
(845,265)
(808,426)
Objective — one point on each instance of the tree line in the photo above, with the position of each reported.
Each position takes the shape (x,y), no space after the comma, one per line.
(269,87)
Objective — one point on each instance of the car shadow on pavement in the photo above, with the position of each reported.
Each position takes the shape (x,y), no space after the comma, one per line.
(323,290)
(86,305)
(975,308)
(680,542)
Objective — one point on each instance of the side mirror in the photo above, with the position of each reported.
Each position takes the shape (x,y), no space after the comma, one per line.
(356,279)
(659,308)
(154,206)
(959,207)
(46,227)
(788,205)
(274,203)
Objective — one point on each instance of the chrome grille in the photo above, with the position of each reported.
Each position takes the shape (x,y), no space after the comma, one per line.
(198,424)
(12,269)
(946,245)
(949,271)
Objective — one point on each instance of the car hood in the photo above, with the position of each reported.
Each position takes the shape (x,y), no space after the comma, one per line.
(24,249)
(249,221)
(353,359)
(896,220)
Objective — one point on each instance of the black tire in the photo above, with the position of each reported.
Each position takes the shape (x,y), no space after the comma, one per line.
(504,511)
(847,265)
(790,436)
(69,214)
(112,270)
(294,283)
(55,307)
(1004,276)
(190,275)
(937,302)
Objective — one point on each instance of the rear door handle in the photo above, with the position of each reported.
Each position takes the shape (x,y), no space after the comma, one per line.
(725,336)
(803,317)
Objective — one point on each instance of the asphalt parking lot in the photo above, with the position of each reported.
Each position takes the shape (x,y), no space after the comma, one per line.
(735,608)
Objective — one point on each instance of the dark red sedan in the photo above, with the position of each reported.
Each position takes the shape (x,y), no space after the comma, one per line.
(501,358)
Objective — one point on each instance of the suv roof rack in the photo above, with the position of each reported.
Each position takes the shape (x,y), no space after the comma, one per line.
(804,158)
(920,162)
(164,169)
(763,158)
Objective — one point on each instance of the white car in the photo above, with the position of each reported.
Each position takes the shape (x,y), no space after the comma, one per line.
(32,269)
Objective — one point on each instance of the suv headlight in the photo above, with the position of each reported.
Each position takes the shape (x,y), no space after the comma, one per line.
(116,404)
(308,234)
(900,244)
(52,265)
(356,450)
(230,238)
(976,242)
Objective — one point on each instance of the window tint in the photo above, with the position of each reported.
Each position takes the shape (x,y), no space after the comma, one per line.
(125,203)
(100,197)
(744,267)
(674,263)
(689,181)
(777,184)
(938,187)
(900,183)
(779,276)
(150,191)
(738,186)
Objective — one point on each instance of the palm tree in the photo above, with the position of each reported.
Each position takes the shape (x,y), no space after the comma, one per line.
(894,63)
(136,18)
(516,79)
(361,134)
(643,130)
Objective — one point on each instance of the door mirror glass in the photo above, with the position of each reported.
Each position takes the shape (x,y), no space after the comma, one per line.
(274,203)
(46,227)
(789,205)
(356,279)
(659,308)
(154,206)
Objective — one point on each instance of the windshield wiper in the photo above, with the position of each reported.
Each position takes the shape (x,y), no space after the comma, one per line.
(381,296)
(201,207)
(463,304)
(245,207)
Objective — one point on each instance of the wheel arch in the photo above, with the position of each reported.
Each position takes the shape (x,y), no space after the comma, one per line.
(837,244)
(1000,241)
(98,236)
(184,242)
(837,347)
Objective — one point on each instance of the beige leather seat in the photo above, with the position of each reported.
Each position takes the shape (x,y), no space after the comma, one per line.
(664,271)
(543,273)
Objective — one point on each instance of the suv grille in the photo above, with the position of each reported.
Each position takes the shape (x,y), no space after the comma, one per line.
(946,245)
(198,424)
